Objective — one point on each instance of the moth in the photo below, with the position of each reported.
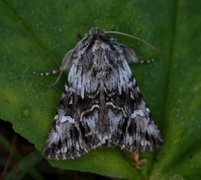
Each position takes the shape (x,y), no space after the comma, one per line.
(101,104)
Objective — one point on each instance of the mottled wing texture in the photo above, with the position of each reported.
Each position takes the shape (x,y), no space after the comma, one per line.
(101,104)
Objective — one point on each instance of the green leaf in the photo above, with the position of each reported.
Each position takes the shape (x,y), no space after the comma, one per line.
(36,34)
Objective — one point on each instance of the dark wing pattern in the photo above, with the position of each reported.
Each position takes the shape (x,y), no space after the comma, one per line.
(102,104)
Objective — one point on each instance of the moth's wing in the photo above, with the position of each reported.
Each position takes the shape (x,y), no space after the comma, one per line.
(74,130)
(135,129)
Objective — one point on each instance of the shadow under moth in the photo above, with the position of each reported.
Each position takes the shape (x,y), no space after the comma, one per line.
(101,104)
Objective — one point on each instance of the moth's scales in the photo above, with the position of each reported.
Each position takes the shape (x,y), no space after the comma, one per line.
(102,104)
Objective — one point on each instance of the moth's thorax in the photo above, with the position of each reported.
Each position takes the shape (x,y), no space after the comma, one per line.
(100,45)
(100,68)
(102,62)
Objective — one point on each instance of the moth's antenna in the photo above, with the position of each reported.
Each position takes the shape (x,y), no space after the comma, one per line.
(131,36)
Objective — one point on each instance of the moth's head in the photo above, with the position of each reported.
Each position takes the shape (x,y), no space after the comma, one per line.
(96,32)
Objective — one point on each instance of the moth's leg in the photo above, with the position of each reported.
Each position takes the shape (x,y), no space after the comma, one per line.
(136,161)
(133,58)
(64,66)
(145,61)
(47,73)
